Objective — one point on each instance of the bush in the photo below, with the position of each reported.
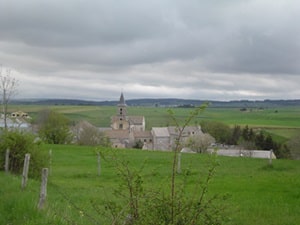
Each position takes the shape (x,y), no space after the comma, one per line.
(19,143)
(54,127)
(87,134)
(220,131)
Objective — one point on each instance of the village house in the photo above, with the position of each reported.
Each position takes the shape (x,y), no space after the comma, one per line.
(16,120)
(164,138)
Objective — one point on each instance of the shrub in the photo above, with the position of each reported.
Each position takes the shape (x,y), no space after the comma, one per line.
(87,134)
(19,143)
(54,127)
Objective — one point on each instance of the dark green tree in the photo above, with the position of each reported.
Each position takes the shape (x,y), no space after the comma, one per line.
(235,135)
(53,127)
(260,140)
(269,144)
(220,131)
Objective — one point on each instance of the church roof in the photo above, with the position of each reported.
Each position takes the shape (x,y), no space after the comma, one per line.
(160,131)
(117,134)
(142,134)
(122,100)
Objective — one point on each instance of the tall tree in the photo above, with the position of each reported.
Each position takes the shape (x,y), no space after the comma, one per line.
(220,131)
(53,127)
(8,88)
(200,142)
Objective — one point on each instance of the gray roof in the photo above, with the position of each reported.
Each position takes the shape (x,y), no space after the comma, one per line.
(142,134)
(160,131)
(187,130)
(117,134)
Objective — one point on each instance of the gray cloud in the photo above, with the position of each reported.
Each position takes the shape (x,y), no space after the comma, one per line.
(192,49)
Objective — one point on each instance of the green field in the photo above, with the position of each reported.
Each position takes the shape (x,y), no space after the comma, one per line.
(257,194)
(282,121)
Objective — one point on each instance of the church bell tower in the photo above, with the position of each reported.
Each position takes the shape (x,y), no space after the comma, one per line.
(121,114)
(122,107)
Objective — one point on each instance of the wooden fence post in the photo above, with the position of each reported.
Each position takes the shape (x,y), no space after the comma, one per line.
(25,170)
(99,163)
(43,192)
(6,167)
(271,155)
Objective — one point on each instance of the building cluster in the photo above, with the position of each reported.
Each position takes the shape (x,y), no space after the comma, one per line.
(18,120)
(126,131)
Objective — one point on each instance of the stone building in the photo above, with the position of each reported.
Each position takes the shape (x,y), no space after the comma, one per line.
(122,121)
(126,130)
(164,138)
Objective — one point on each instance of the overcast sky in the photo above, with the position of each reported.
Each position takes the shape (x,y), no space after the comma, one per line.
(196,49)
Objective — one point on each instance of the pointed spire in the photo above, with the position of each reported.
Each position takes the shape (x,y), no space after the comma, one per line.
(122,100)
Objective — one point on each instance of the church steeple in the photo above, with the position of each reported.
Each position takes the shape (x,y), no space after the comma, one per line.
(122,100)
(122,106)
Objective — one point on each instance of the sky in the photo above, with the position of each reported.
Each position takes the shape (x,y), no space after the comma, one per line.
(192,49)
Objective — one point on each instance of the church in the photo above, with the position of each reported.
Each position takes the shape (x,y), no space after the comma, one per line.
(126,131)
(122,121)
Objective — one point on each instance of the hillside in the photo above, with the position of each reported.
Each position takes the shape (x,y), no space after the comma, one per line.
(165,102)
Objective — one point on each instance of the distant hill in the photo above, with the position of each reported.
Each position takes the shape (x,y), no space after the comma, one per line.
(165,102)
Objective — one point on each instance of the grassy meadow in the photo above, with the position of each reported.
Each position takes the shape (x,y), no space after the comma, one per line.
(257,193)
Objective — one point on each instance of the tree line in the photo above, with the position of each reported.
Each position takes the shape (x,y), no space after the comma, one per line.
(246,137)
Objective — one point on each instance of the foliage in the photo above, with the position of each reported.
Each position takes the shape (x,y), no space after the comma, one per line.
(294,145)
(8,87)
(220,131)
(199,143)
(246,137)
(87,134)
(138,144)
(53,127)
(19,143)
(235,135)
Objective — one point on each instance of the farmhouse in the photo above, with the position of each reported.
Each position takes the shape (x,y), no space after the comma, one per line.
(165,137)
